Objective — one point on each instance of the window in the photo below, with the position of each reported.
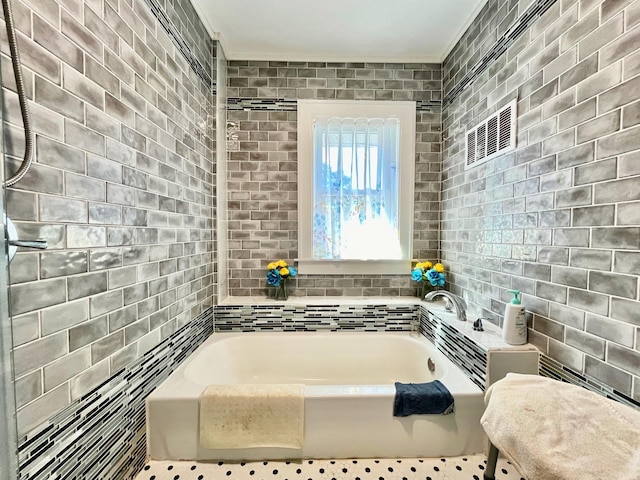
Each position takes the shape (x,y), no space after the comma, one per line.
(355,186)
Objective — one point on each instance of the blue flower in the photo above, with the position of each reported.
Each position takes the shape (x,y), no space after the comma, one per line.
(416,274)
(292,271)
(436,279)
(273,277)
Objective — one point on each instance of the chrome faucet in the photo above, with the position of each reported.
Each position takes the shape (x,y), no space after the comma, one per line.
(459,303)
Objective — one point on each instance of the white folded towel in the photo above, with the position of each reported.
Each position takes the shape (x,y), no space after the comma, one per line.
(552,430)
(248,416)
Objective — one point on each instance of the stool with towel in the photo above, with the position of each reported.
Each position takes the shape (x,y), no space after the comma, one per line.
(552,430)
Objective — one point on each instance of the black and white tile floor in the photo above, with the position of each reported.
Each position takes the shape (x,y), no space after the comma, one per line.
(470,467)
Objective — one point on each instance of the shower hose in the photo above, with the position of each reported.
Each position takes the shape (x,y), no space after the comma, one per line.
(24,107)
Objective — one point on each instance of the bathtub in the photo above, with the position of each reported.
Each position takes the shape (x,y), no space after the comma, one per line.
(349,390)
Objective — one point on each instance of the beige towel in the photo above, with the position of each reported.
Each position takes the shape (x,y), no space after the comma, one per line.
(246,416)
(556,431)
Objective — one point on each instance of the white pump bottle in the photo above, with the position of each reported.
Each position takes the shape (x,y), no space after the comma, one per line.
(514,329)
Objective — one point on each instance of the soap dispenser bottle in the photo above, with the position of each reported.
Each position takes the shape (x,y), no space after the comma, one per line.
(514,330)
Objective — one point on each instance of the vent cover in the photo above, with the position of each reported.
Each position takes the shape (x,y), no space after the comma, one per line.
(493,136)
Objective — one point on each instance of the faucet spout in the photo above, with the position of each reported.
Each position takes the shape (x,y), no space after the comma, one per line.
(459,303)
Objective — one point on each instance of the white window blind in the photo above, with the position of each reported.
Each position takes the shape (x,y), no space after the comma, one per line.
(355,188)
(355,164)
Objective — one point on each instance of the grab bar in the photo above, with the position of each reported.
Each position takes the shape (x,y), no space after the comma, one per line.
(40,244)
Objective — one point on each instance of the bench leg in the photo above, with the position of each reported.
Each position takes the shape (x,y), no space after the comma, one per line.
(492,459)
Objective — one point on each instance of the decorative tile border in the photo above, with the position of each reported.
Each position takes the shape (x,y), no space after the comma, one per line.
(535,11)
(553,369)
(288,105)
(180,43)
(314,318)
(434,106)
(470,357)
(271,104)
(103,435)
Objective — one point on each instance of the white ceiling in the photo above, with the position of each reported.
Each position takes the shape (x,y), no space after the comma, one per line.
(338,30)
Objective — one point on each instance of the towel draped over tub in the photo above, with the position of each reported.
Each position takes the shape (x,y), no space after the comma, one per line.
(250,416)
(422,399)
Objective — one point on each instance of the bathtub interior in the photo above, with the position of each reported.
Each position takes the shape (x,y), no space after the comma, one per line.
(346,417)
(315,359)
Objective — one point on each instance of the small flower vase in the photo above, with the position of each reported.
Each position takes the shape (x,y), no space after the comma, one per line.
(281,290)
(424,288)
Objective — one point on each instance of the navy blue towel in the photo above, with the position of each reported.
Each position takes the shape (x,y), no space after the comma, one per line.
(422,398)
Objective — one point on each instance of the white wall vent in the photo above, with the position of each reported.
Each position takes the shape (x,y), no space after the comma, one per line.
(493,136)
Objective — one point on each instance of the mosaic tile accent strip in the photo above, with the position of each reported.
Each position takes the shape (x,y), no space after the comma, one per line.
(434,106)
(460,349)
(520,26)
(102,435)
(178,40)
(553,369)
(270,104)
(314,318)
(285,105)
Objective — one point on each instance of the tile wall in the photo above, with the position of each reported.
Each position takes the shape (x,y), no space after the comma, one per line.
(558,218)
(102,436)
(262,170)
(121,188)
(123,98)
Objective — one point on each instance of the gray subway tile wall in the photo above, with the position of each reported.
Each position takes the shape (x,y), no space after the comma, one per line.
(564,188)
(101,434)
(122,188)
(262,172)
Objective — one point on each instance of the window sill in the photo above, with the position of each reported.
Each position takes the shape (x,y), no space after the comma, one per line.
(354,267)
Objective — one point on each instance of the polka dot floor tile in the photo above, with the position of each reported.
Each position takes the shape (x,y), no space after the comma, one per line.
(452,468)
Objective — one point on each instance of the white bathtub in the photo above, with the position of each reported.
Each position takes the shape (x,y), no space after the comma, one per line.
(349,390)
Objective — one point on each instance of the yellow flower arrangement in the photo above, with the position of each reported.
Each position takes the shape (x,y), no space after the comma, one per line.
(429,276)
(277,275)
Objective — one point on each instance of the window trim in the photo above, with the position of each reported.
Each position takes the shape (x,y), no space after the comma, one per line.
(308,110)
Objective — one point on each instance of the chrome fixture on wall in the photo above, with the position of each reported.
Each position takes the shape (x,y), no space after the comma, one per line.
(453,300)
(14,243)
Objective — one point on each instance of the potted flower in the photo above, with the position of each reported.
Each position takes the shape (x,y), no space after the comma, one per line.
(278,274)
(429,277)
